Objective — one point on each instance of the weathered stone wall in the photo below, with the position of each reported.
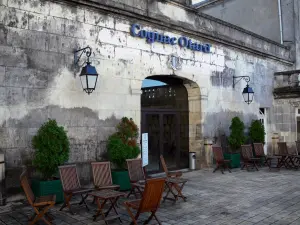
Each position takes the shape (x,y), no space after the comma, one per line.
(258,16)
(37,40)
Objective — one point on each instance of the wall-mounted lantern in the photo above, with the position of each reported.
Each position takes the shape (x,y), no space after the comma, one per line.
(88,75)
(248,92)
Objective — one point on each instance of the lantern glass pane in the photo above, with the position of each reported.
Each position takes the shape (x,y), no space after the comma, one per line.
(83,81)
(92,79)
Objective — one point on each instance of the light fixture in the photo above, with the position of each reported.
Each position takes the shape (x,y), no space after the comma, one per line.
(88,75)
(248,92)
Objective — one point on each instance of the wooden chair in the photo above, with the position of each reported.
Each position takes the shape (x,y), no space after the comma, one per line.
(165,168)
(259,153)
(102,176)
(41,205)
(149,203)
(71,186)
(220,161)
(286,158)
(137,176)
(248,158)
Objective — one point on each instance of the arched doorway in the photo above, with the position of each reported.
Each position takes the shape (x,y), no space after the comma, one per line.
(165,117)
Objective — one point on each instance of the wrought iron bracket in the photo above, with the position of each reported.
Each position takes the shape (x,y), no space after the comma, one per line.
(239,78)
(87,50)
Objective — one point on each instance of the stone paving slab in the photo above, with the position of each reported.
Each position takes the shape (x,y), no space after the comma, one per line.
(241,197)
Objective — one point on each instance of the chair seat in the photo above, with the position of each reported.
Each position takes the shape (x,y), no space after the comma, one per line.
(135,204)
(45,200)
(80,191)
(107,187)
(175,173)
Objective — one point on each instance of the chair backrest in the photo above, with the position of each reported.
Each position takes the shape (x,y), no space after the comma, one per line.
(164,165)
(152,194)
(282,148)
(69,177)
(218,153)
(135,170)
(297,147)
(26,187)
(101,174)
(247,152)
(259,149)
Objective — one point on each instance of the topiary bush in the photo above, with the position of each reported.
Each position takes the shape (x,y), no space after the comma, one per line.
(237,137)
(122,144)
(257,132)
(52,149)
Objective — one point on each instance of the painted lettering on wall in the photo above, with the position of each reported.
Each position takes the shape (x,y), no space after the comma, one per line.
(152,37)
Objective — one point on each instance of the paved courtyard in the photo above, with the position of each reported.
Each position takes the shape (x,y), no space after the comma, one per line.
(239,197)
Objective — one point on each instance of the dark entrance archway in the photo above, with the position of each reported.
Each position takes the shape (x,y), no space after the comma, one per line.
(165,117)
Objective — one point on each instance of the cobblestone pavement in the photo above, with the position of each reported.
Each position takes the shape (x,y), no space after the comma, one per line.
(239,197)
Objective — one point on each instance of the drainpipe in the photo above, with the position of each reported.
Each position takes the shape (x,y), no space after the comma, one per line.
(280,21)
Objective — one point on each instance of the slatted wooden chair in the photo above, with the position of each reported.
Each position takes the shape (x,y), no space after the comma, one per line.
(265,160)
(248,158)
(222,163)
(102,176)
(165,168)
(71,186)
(283,152)
(137,176)
(41,205)
(150,201)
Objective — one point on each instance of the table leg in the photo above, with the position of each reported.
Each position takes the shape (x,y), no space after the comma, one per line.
(169,190)
(113,203)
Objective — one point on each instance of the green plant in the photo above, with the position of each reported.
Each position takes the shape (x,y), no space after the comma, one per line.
(237,137)
(122,144)
(52,148)
(257,132)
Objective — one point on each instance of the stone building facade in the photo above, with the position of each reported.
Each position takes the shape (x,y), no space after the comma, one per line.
(39,81)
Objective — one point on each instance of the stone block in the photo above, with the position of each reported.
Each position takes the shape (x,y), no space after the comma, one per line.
(95,18)
(27,39)
(3,35)
(138,43)
(17,137)
(81,30)
(36,6)
(101,51)
(112,37)
(122,25)
(48,24)
(107,84)
(67,11)
(13,17)
(19,77)
(45,61)
(10,56)
(3,2)
(2,75)
(63,44)
(15,96)
(36,97)
(3,96)
(127,54)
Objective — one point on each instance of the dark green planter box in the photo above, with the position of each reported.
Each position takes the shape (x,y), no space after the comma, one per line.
(121,177)
(235,159)
(51,187)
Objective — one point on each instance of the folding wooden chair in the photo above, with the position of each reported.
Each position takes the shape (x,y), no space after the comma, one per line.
(137,176)
(286,159)
(41,205)
(165,168)
(265,160)
(220,161)
(71,186)
(248,158)
(102,176)
(149,203)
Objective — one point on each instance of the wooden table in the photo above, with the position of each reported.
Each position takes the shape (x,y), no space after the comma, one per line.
(175,186)
(107,195)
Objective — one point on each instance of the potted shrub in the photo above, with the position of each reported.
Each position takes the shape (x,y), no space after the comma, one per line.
(52,148)
(122,145)
(236,139)
(257,132)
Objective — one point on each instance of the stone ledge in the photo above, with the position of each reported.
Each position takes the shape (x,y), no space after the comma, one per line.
(214,30)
